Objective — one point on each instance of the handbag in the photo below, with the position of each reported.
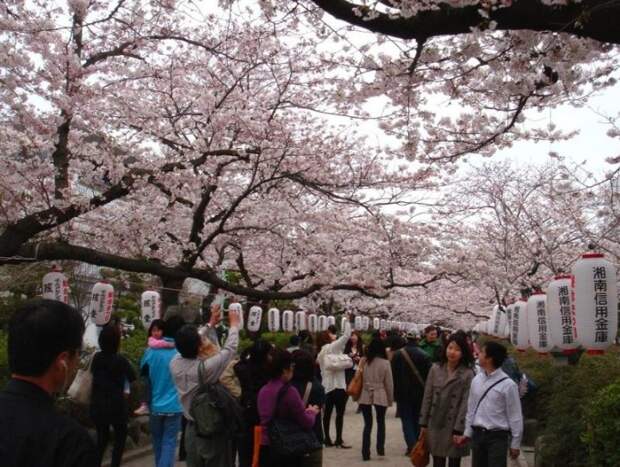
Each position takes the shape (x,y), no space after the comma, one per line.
(82,386)
(338,361)
(420,457)
(287,438)
(415,371)
(354,389)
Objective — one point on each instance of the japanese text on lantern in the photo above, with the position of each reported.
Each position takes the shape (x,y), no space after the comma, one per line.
(600,304)
(565,313)
(542,324)
(93,312)
(515,323)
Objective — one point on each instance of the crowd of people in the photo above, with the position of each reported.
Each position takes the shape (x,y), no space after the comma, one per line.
(226,409)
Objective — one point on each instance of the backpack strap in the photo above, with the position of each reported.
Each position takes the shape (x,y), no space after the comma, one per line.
(415,371)
(283,390)
(307,393)
(485,393)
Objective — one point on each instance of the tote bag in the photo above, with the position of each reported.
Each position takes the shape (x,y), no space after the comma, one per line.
(82,386)
(354,389)
(420,456)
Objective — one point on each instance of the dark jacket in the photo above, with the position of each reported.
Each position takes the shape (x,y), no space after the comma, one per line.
(252,379)
(432,349)
(108,403)
(32,434)
(407,388)
(317,397)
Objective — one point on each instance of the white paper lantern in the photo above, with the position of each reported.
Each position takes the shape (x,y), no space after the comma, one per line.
(150,307)
(288,321)
(273,320)
(323,323)
(596,302)
(376,324)
(56,286)
(345,325)
(519,330)
(499,322)
(255,317)
(300,321)
(509,309)
(365,323)
(358,323)
(313,323)
(331,321)
(383,325)
(101,303)
(560,307)
(538,323)
(237,308)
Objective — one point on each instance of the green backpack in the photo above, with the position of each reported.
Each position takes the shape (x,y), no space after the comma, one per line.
(214,410)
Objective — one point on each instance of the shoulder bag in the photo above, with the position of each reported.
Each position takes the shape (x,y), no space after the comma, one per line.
(287,439)
(415,371)
(354,389)
(338,361)
(82,387)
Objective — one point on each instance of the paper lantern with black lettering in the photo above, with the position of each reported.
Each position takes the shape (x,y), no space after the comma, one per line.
(255,317)
(55,286)
(150,307)
(237,308)
(376,324)
(509,309)
(288,321)
(300,321)
(519,330)
(499,322)
(383,325)
(596,302)
(358,323)
(331,321)
(101,303)
(273,320)
(538,323)
(322,323)
(560,301)
(345,325)
(313,323)
(365,323)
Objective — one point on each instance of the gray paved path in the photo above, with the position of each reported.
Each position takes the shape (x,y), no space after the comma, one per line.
(353,425)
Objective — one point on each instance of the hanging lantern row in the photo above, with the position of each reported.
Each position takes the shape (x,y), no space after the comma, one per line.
(580,309)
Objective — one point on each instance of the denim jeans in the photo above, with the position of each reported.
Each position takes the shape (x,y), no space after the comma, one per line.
(410,419)
(367,414)
(164,431)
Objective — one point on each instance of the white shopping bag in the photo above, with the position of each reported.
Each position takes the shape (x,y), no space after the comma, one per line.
(518,462)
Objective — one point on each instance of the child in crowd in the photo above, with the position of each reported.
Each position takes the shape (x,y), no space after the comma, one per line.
(155,341)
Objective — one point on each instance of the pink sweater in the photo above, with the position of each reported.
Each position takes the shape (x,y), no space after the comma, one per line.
(160,344)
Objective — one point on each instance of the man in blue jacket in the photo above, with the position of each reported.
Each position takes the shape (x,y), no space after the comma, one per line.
(166,410)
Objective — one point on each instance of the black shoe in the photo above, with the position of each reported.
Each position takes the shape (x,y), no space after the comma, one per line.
(366,457)
(341,445)
(381,452)
(328,443)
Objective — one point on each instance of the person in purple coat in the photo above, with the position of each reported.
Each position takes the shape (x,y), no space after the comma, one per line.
(290,406)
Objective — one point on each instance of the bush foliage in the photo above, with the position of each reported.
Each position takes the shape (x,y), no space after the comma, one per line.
(603,427)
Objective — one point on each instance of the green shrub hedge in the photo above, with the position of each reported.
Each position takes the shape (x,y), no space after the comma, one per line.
(602,434)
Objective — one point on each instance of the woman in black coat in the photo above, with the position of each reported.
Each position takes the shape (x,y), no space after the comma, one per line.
(108,406)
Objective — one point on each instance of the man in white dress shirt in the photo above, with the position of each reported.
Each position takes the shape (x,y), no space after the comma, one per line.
(494,421)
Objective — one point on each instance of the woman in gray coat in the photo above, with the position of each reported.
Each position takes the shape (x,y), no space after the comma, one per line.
(444,406)
(377,390)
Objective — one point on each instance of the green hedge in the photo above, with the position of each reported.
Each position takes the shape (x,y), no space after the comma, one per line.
(603,427)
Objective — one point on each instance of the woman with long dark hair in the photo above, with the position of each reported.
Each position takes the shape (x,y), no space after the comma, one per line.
(355,350)
(377,390)
(444,407)
(108,405)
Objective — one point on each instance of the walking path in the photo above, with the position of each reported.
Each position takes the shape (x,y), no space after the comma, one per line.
(353,425)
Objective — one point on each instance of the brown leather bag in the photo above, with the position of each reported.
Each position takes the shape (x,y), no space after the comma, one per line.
(420,457)
(354,389)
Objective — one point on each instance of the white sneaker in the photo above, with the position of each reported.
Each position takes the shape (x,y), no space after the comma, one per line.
(142,410)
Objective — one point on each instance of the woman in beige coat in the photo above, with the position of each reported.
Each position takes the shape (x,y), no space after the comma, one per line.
(444,406)
(377,390)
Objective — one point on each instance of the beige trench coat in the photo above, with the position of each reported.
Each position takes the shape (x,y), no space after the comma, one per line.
(444,408)
(378,387)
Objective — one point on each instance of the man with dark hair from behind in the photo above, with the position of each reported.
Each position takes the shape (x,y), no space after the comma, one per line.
(494,421)
(45,338)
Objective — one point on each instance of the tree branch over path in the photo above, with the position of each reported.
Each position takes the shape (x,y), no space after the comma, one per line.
(594,19)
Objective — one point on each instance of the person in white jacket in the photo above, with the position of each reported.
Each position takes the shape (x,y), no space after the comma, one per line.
(333,362)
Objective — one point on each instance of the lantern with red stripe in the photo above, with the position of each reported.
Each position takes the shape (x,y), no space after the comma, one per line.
(56,286)
(101,303)
(237,308)
(538,323)
(596,302)
(150,307)
(560,301)
(519,330)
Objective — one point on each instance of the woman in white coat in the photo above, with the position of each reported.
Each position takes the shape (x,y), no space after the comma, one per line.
(333,363)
